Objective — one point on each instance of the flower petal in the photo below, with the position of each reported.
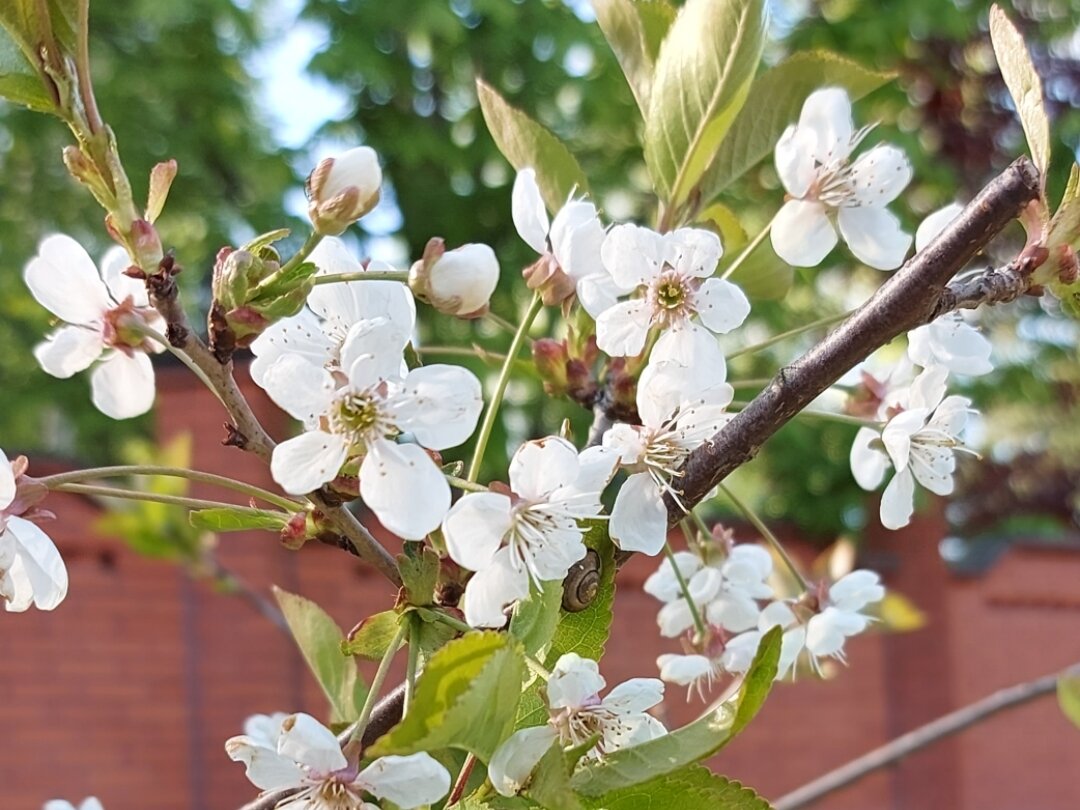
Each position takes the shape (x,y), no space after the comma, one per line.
(801,233)
(541,466)
(696,251)
(302,390)
(492,589)
(639,517)
(898,500)
(633,255)
(120,286)
(439,405)
(856,590)
(576,237)
(634,696)
(41,562)
(528,211)
(874,235)
(868,463)
(721,305)
(513,762)
(69,350)
(663,584)
(266,768)
(574,682)
(622,329)
(935,223)
(405,489)
(794,158)
(64,280)
(7,482)
(880,175)
(409,781)
(122,386)
(827,114)
(305,740)
(475,527)
(684,670)
(301,334)
(304,463)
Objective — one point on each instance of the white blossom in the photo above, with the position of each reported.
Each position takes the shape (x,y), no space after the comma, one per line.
(531,533)
(674,421)
(359,412)
(814,161)
(32,572)
(105,315)
(342,189)
(920,442)
(306,755)
(89,803)
(569,245)
(675,294)
(318,332)
(460,282)
(576,714)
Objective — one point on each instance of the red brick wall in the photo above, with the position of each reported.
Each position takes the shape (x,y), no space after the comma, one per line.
(131,687)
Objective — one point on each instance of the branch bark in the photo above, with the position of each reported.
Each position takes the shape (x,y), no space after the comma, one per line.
(921,737)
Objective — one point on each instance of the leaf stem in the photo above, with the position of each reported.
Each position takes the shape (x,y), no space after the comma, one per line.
(377,682)
(746,251)
(683,586)
(827,416)
(92,473)
(462,780)
(363,275)
(759,524)
(798,330)
(462,484)
(500,388)
(412,662)
(153,497)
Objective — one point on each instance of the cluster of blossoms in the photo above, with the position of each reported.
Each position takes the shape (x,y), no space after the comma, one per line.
(298,752)
(577,713)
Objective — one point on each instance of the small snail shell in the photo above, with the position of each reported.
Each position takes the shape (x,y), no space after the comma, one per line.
(582,583)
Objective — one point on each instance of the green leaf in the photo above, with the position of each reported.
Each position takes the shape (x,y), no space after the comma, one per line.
(526,143)
(432,634)
(549,784)
(692,788)
(703,74)
(466,698)
(762,275)
(691,743)
(1065,224)
(536,617)
(585,632)
(1068,691)
(19,81)
(419,566)
(239,519)
(1024,86)
(319,639)
(374,636)
(283,282)
(635,30)
(775,101)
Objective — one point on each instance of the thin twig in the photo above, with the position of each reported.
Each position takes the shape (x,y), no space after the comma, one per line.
(921,737)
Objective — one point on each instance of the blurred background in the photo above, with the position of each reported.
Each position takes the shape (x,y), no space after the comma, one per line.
(248,95)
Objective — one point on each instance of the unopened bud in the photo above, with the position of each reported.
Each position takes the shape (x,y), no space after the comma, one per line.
(548,278)
(456,282)
(86,172)
(146,245)
(343,189)
(551,360)
(161,178)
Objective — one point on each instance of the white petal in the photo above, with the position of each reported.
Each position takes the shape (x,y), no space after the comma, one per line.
(576,237)
(302,390)
(721,305)
(346,303)
(935,223)
(264,729)
(664,385)
(41,563)
(794,158)
(733,611)
(622,329)
(856,590)
(868,464)
(598,292)
(7,483)
(874,235)
(827,114)
(801,233)
(639,517)
(528,211)
(822,637)
(933,467)
(897,435)
(540,467)
(928,389)
(696,349)
(306,462)
(674,618)
(113,264)
(405,489)
(307,741)
(560,549)
(513,762)
(633,255)
(625,732)
(493,589)
(123,386)
(662,583)
(705,584)
(748,562)
(302,335)
(627,441)
(634,696)
(684,670)
(64,280)
(410,781)
(439,405)
(898,500)
(464,278)
(574,682)
(266,768)
(740,651)
(68,350)
(475,527)
(372,352)
(776,614)
(878,176)
(695,251)
(596,467)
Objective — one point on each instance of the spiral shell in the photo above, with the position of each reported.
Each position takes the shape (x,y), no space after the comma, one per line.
(582,583)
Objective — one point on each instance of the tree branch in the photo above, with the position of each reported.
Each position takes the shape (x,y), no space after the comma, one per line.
(921,737)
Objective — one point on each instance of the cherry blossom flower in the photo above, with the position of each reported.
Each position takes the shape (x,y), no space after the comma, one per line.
(569,247)
(529,531)
(813,159)
(577,713)
(359,411)
(32,571)
(318,332)
(675,420)
(456,282)
(920,442)
(105,315)
(90,803)
(306,755)
(671,273)
(342,189)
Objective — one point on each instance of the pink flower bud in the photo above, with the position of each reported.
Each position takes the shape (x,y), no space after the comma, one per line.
(343,189)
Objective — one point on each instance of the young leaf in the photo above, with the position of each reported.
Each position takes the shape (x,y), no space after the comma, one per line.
(775,101)
(419,566)
(374,636)
(466,698)
(1024,86)
(692,788)
(19,82)
(526,143)
(536,617)
(635,30)
(549,784)
(319,640)
(239,519)
(691,743)
(703,74)
(1068,691)
(1065,224)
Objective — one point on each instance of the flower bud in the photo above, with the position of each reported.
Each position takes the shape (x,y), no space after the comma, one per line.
(161,179)
(456,282)
(343,189)
(548,278)
(551,361)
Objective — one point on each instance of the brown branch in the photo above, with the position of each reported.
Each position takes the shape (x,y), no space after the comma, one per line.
(921,737)
(1001,286)
(911,297)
